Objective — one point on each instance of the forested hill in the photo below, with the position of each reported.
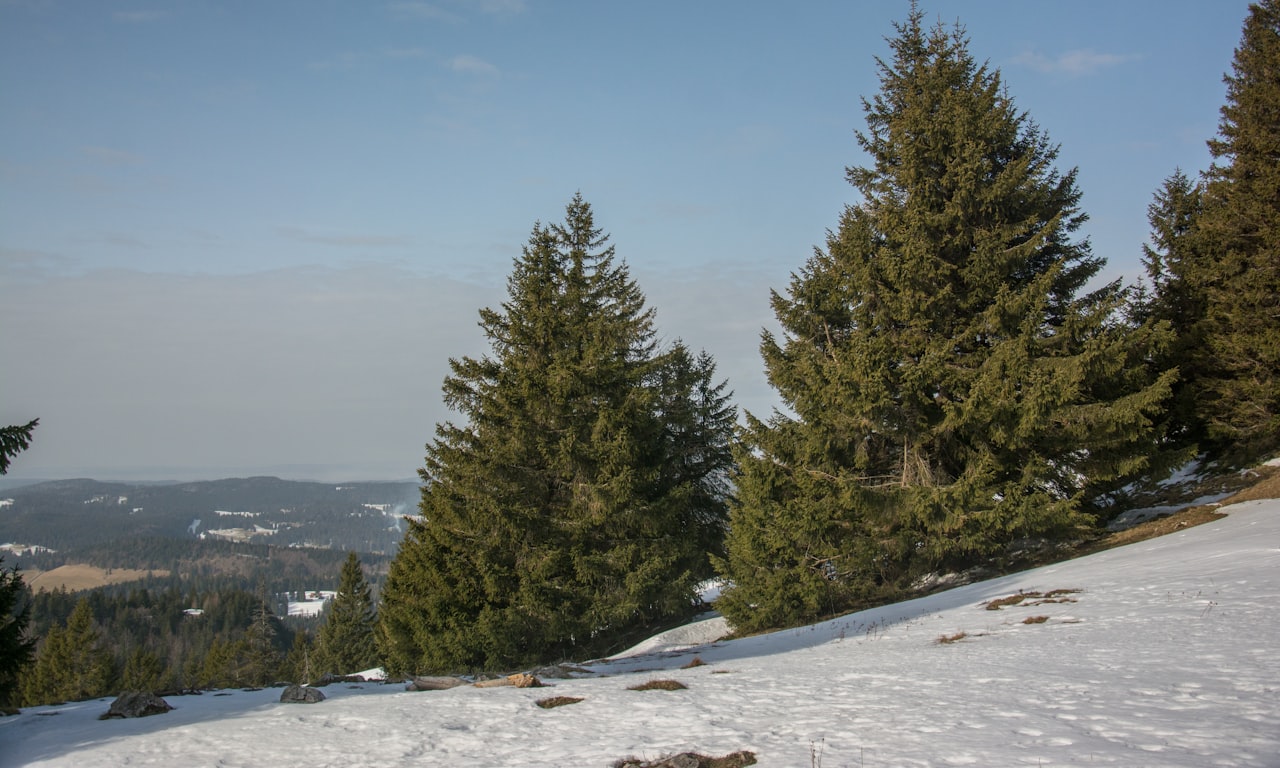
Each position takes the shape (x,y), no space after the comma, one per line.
(71,515)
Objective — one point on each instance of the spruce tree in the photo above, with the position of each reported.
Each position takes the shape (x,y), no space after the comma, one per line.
(347,640)
(578,502)
(16,648)
(143,671)
(1239,370)
(261,657)
(1175,259)
(301,664)
(71,664)
(14,439)
(949,388)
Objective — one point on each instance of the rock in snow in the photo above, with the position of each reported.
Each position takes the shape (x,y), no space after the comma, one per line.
(301,694)
(136,704)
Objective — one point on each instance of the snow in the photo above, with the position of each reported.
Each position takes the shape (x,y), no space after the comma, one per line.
(1168,656)
(313,605)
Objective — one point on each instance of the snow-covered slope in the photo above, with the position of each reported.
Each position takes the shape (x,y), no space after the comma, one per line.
(1166,654)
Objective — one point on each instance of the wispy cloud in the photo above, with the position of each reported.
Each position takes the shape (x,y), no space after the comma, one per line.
(139,17)
(499,7)
(19,263)
(456,10)
(405,53)
(340,61)
(348,60)
(343,240)
(429,11)
(123,240)
(473,65)
(1079,62)
(112,156)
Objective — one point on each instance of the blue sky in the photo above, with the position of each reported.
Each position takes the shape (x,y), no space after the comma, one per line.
(245,237)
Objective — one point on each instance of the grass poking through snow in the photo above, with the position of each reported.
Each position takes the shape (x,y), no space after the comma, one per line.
(552,702)
(658,685)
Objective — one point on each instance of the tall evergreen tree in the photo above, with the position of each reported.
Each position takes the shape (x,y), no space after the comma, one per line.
(262,657)
(301,664)
(143,671)
(1175,259)
(950,390)
(347,638)
(578,502)
(71,665)
(1239,375)
(14,440)
(16,648)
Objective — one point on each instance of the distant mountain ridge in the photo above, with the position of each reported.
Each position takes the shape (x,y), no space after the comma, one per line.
(78,513)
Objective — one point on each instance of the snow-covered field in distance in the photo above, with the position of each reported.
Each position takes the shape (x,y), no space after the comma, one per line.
(1167,654)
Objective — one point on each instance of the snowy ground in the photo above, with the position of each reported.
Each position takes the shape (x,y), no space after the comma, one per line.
(1168,656)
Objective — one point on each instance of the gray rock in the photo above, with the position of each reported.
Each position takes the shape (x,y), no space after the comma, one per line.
(301,694)
(136,704)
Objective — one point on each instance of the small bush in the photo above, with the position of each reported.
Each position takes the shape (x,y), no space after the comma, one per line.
(1035,620)
(948,639)
(557,701)
(696,661)
(658,685)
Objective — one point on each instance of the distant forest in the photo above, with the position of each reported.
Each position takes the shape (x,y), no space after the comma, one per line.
(86,518)
(192,623)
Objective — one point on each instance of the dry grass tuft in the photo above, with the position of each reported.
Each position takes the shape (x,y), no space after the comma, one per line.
(658,685)
(733,760)
(1035,620)
(557,701)
(948,639)
(1038,598)
(696,661)
(996,605)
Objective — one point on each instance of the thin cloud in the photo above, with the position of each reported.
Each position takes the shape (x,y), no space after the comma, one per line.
(23,264)
(1079,62)
(112,156)
(138,17)
(473,65)
(406,53)
(428,11)
(344,240)
(457,8)
(123,240)
(501,7)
